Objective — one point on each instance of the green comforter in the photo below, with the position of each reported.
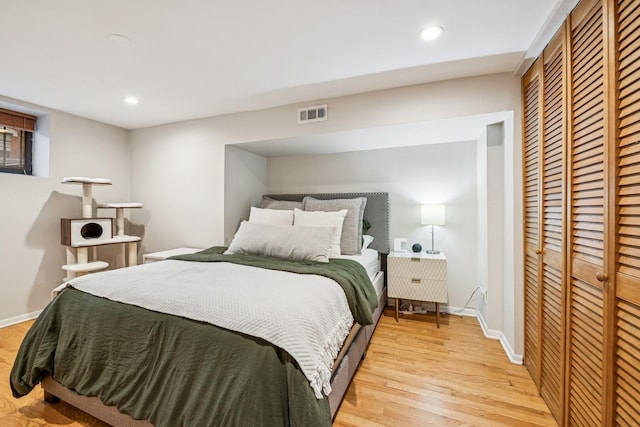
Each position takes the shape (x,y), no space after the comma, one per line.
(174,371)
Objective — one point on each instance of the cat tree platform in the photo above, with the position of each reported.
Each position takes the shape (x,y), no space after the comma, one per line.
(113,241)
(119,207)
(87,186)
(86,267)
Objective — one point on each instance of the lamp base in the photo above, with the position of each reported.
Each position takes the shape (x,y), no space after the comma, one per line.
(432,252)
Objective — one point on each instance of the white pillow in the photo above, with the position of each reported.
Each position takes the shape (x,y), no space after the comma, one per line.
(271,216)
(366,241)
(322,219)
(282,241)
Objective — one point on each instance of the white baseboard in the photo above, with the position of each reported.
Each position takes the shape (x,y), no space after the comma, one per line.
(459,311)
(488,333)
(499,335)
(19,319)
(493,334)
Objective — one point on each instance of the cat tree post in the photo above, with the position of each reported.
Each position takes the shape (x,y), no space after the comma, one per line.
(131,247)
(71,259)
(82,258)
(133,253)
(119,222)
(87,200)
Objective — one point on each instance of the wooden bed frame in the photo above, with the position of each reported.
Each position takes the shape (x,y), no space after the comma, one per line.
(348,360)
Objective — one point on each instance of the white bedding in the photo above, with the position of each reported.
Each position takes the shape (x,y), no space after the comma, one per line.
(378,283)
(369,260)
(311,323)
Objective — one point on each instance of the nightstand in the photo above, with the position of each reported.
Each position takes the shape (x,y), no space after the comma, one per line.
(161,256)
(418,276)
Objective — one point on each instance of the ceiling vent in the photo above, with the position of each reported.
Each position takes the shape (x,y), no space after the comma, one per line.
(316,113)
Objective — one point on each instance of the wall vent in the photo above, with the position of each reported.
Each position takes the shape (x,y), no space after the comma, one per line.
(316,113)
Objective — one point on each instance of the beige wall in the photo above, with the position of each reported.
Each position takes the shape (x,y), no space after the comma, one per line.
(183,190)
(185,193)
(178,172)
(245,182)
(412,176)
(30,251)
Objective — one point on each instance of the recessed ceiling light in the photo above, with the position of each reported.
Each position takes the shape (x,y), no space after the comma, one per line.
(431,33)
(131,100)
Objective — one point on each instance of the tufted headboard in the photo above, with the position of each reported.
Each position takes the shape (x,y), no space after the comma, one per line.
(376,212)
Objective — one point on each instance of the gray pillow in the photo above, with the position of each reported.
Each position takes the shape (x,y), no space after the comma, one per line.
(269,203)
(351,239)
(282,241)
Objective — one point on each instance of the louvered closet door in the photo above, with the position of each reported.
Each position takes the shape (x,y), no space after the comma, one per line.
(552,191)
(586,221)
(532,135)
(627,399)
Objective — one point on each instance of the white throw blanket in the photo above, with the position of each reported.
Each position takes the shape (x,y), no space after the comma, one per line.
(306,315)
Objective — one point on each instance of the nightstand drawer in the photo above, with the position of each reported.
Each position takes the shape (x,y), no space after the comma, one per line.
(434,269)
(418,289)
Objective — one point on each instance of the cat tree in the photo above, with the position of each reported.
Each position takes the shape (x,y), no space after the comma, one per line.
(81,234)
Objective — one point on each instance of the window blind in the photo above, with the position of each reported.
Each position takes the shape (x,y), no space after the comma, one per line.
(17,120)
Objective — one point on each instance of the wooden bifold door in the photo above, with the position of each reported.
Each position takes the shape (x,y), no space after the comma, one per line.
(581,140)
(544,125)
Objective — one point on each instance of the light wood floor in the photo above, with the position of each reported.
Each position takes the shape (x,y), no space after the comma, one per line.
(414,375)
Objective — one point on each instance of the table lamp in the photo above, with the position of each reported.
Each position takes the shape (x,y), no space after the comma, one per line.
(433,215)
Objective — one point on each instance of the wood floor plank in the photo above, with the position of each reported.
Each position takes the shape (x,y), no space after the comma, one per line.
(413,374)
(418,374)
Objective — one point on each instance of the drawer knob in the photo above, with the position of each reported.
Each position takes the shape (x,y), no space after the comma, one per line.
(415,280)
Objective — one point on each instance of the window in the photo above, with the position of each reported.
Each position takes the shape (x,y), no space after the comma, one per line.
(16,142)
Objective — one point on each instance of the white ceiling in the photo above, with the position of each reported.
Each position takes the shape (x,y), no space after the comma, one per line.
(197,58)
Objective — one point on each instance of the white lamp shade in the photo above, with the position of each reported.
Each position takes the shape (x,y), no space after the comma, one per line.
(433,215)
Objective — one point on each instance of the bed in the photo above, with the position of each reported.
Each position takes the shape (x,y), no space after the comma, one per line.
(130,363)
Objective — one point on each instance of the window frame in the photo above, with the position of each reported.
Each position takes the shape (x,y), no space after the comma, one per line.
(25,125)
